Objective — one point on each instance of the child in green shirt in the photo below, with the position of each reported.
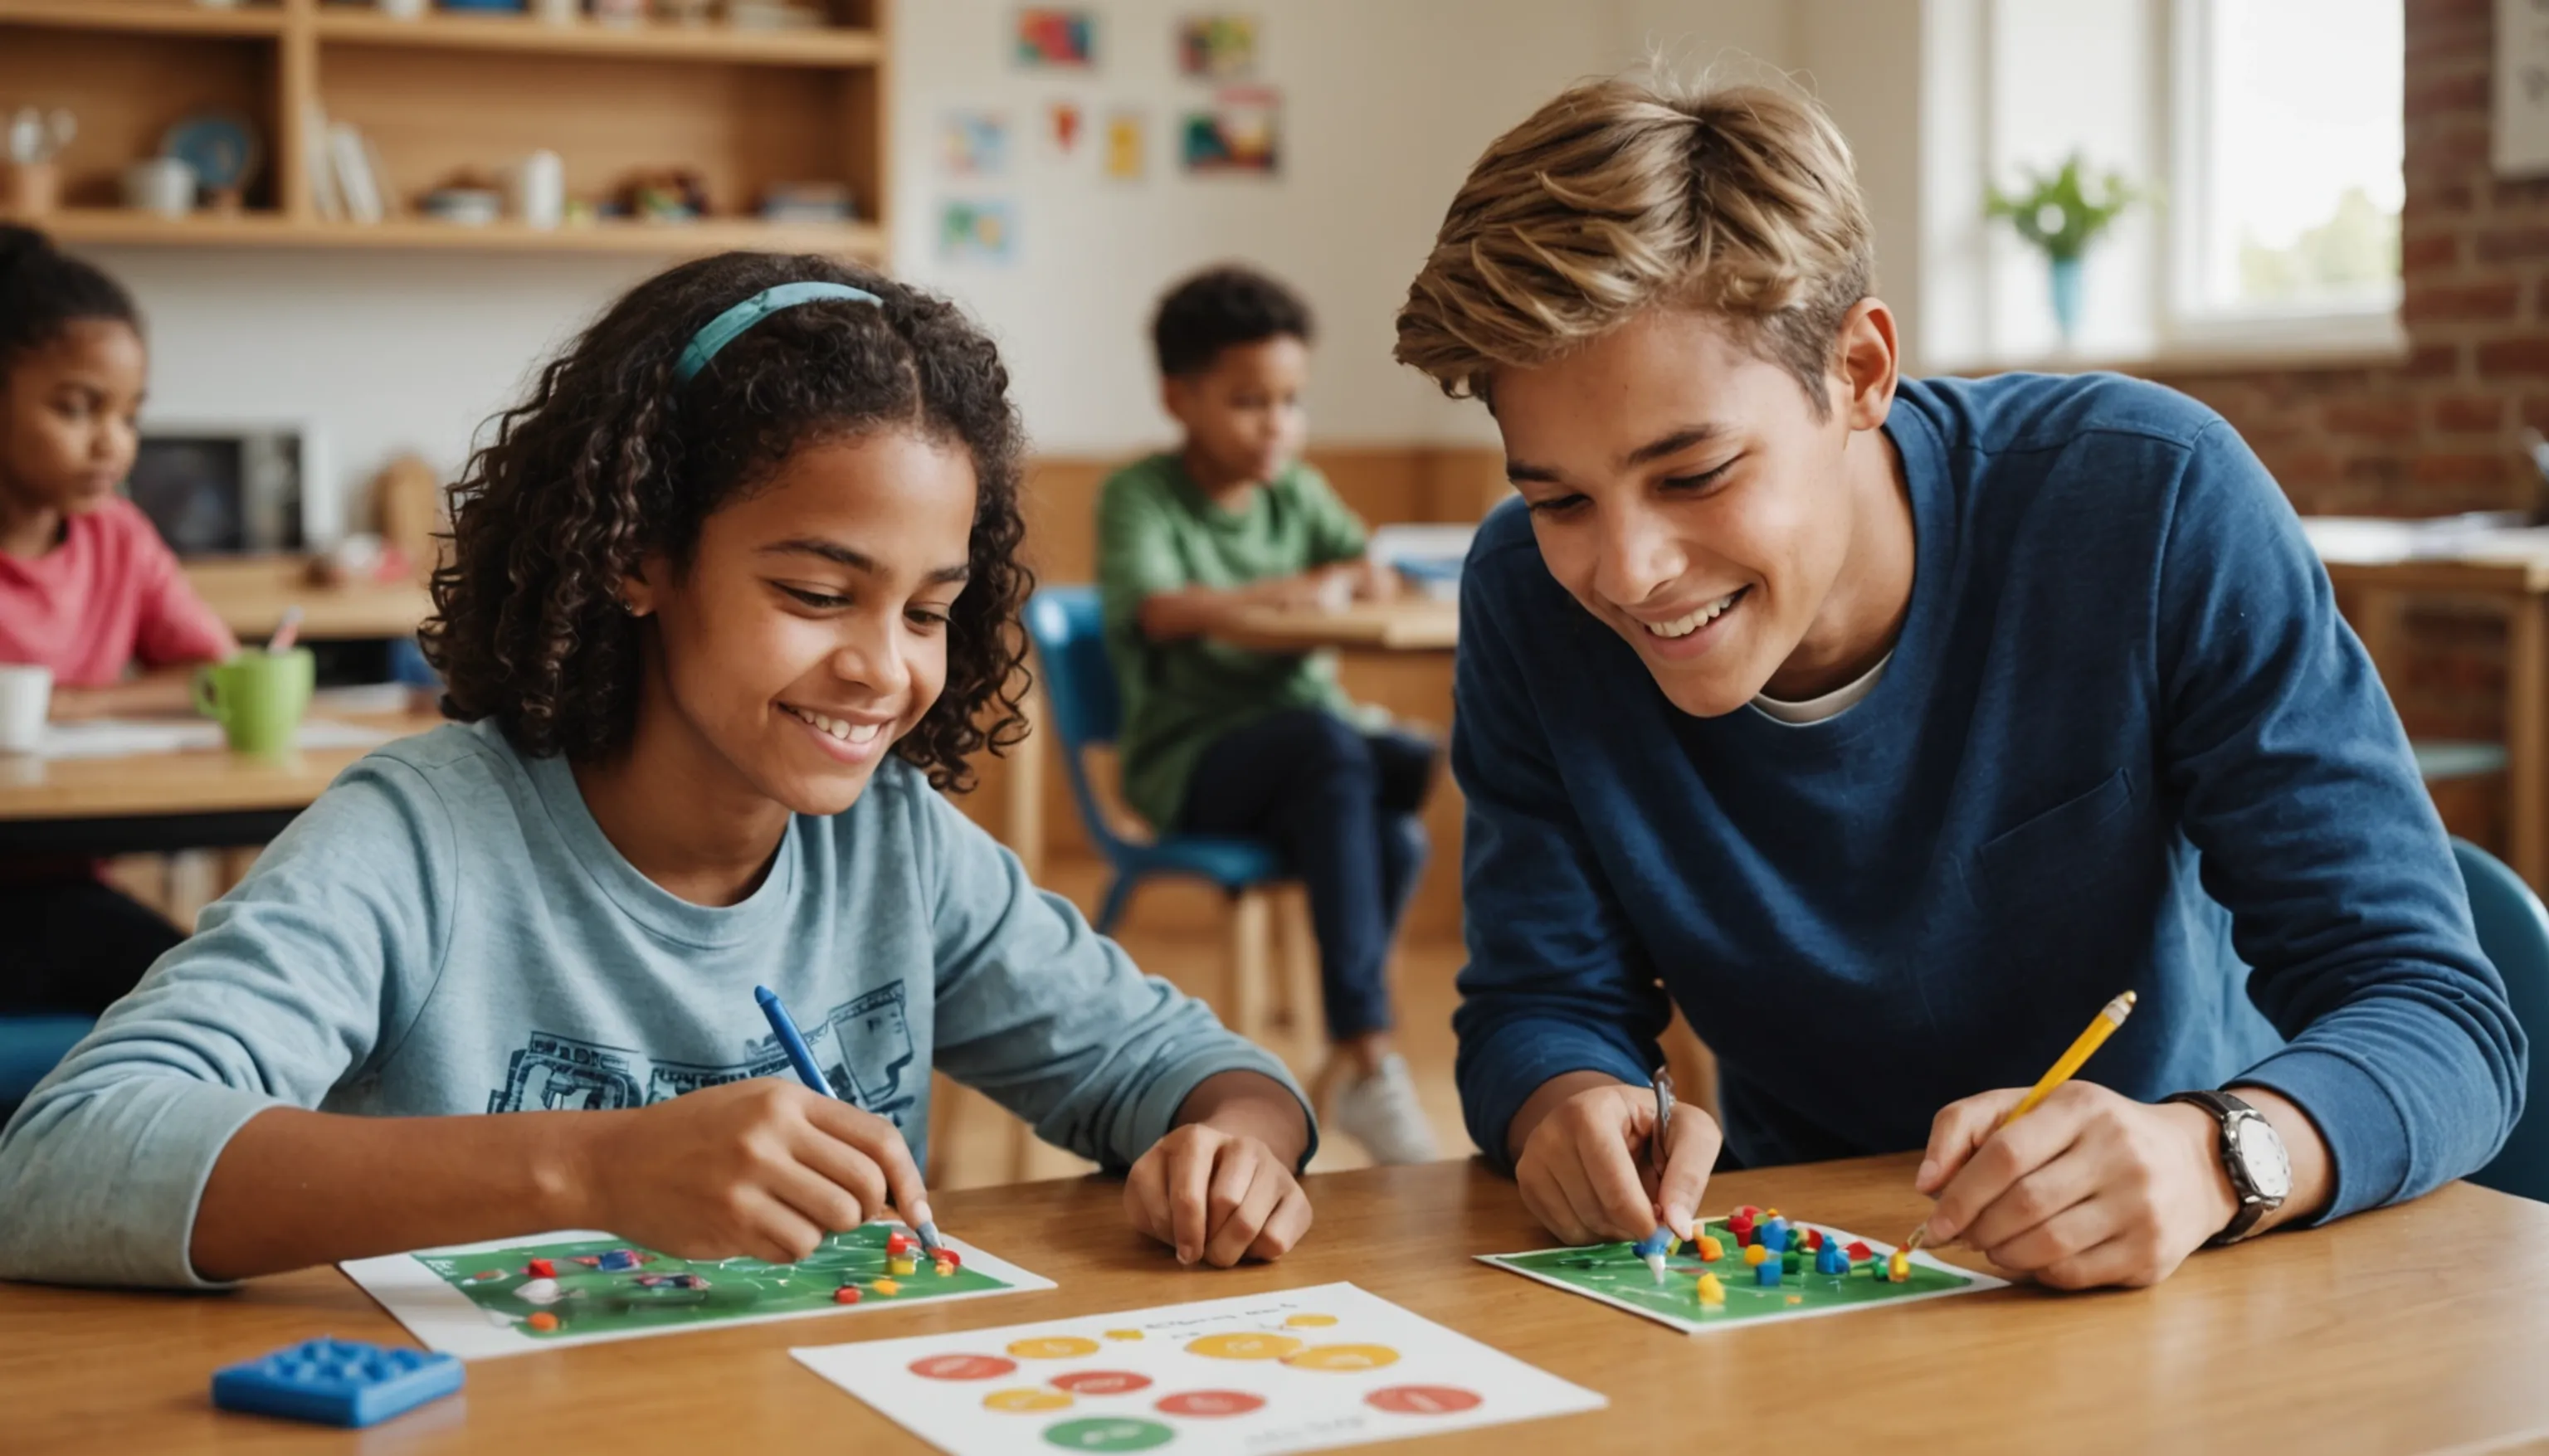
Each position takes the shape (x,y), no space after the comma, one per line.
(1224,739)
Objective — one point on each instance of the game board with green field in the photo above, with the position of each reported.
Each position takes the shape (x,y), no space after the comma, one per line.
(577,1287)
(1617,1275)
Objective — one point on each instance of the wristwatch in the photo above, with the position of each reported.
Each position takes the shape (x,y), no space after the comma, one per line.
(2252,1152)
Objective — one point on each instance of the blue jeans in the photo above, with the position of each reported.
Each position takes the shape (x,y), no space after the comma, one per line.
(1340,806)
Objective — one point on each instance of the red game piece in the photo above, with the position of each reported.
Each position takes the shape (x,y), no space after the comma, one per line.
(1739,1224)
(541,1269)
(1857,1250)
(946,1255)
(1750,1212)
(847,1294)
(899,1242)
(1814,1239)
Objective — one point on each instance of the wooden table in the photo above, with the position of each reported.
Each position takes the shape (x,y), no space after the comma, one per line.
(148,803)
(1407,624)
(2379,593)
(251,594)
(2421,1328)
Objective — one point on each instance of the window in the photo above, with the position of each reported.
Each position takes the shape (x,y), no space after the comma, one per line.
(2286,163)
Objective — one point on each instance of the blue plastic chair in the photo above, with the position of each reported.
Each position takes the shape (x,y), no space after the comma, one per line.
(31,1046)
(2514,931)
(1069,632)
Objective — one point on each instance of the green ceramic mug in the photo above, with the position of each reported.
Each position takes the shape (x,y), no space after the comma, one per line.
(257,698)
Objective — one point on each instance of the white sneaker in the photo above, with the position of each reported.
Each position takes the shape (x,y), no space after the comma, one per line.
(1381,1112)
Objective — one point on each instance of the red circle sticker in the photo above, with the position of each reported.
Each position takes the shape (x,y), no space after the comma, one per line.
(1209,1403)
(1099,1382)
(1423,1400)
(961,1367)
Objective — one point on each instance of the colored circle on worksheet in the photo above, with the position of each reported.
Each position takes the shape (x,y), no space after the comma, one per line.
(1099,1382)
(1343,1357)
(1026,1398)
(1209,1403)
(1311,1321)
(1242,1346)
(1054,1347)
(1123,1334)
(1109,1433)
(961,1367)
(1424,1400)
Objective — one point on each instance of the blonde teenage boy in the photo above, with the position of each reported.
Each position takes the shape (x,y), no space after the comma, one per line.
(1889,727)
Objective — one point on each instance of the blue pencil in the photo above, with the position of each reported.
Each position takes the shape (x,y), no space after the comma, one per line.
(793,1042)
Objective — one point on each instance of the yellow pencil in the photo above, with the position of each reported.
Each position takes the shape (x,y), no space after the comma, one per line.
(2062,1070)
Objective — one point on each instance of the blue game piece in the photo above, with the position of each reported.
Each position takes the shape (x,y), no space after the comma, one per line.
(618,1260)
(1658,1243)
(1774,1235)
(1766,1274)
(1829,1259)
(336,1381)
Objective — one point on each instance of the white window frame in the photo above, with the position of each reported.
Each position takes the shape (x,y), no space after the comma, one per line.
(2187,324)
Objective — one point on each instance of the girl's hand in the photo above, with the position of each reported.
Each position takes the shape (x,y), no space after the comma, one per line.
(759,1168)
(1216,1196)
(2092,1188)
(1583,1170)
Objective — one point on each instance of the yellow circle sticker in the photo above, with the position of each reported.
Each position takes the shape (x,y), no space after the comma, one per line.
(1244,1347)
(1026,1398)
(1311,1321)
(1343,1357)
(1054,1347)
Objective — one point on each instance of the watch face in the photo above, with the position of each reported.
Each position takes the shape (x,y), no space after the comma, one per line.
(2261,1153)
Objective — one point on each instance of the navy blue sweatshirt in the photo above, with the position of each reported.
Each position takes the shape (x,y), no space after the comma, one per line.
(2124,742)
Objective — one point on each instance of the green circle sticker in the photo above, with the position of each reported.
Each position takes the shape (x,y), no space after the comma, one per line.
(1108,1433)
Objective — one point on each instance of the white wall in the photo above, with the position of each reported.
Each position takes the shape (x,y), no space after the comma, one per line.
(1387,103)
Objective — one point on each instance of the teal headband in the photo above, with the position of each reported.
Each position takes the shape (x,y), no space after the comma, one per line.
(734,323)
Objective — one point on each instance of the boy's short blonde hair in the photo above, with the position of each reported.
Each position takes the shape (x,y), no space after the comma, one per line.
(1618,197)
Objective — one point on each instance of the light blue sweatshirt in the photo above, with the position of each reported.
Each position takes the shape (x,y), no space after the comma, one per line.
(447,931)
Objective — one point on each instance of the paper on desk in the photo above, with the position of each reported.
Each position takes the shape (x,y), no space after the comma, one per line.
(116,738)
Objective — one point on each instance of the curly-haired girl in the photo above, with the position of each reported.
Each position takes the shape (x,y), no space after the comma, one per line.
(731,593)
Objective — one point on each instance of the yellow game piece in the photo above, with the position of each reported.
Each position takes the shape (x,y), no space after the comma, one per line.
(886,1286)
(943,1267)
(1710,1291)
(1710,1251)
(1898,1269)
(903,1265)
(1755,1253)
(1769,1213)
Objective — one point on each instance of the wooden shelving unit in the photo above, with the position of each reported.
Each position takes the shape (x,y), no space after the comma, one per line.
(452,96)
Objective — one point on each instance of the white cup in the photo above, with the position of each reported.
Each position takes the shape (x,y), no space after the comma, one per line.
(26,696)
(164,185)
(539,190)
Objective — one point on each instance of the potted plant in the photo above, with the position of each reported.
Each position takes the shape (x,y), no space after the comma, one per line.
(2061,214)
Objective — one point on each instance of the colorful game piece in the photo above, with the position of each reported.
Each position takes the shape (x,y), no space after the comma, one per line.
(1769,1213)
(884,1286)
(943,1267)
(902,1265)
(899,1242)
(1858,1251)
(1766,1274)
(1774,1233)
(1756,1255)
(541,1268)
(1653,1249)
(1793,1262)
(1813,1240)
(1829,1259)
(1898,1269)
(1750,1212)
(1710,1251)
(543,1321)
(945,1255)
(619,1260)
(1739,1224)
(336,1381)
(539,1292)
(847,1294)
(1711,1292)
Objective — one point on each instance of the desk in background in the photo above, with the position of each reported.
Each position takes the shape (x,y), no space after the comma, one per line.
(2418,1328)
(251,594)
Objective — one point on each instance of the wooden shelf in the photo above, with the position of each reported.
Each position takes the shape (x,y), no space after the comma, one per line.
(110,226)
(175,19)
(652,40)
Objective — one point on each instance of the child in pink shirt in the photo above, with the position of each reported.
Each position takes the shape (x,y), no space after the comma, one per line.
(87,588)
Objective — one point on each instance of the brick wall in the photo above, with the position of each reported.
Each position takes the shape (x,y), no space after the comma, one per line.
(2440,430)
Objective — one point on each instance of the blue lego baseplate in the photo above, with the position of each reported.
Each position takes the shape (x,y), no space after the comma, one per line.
(337,1382)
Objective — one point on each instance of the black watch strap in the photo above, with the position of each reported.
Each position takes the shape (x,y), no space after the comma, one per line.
(2253,1201)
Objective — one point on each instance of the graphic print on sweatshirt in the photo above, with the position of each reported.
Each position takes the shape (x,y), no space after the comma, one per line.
(863,1048)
